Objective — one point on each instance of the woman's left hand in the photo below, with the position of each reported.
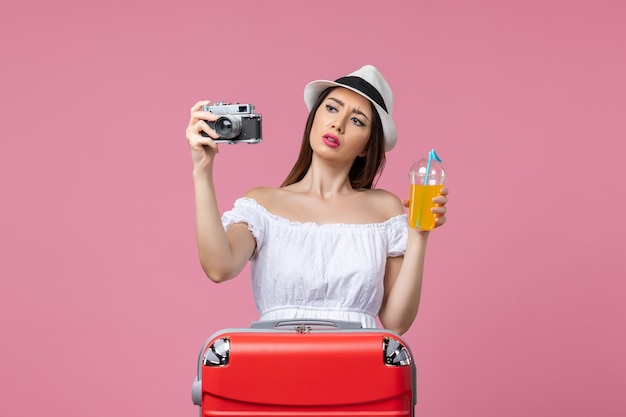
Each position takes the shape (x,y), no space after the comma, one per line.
(440,207)
(439,210)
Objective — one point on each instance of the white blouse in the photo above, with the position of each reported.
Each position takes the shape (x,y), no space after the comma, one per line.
(310,271)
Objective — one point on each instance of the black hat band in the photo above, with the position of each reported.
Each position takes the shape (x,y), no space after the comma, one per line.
(364,87)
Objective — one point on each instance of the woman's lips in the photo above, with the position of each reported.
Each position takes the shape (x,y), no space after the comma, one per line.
(331,140)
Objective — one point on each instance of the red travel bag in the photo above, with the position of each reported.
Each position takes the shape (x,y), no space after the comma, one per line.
(305,368)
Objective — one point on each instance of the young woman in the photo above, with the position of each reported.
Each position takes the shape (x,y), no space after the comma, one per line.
(326,244)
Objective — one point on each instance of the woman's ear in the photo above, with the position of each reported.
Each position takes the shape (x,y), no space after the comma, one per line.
(363,153)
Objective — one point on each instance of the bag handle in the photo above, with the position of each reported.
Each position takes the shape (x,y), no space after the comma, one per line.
(305,325)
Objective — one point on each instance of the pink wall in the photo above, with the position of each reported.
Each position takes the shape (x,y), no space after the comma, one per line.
(103,304)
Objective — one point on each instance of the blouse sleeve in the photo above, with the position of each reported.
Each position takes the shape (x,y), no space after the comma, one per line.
(246,210)
(397,235)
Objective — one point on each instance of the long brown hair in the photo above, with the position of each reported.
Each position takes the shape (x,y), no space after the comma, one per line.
(364,171)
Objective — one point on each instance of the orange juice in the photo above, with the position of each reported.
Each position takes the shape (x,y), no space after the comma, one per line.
(420,203)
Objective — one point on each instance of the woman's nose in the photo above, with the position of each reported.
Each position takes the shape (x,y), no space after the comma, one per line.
(338,124)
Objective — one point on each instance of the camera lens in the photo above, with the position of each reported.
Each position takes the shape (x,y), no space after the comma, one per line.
(228,127)
(225,126)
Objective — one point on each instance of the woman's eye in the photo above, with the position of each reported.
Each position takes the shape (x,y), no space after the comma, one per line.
(331,108)
(357,122)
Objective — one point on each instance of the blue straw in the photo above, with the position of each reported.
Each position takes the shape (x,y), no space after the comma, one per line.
(431,155)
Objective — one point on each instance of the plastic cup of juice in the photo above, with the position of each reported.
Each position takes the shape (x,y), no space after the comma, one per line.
(427,179)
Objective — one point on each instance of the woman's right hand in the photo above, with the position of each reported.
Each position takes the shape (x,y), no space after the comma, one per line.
(203,148)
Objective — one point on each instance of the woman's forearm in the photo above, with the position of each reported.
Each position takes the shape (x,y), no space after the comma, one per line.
(214,249)
(404,285)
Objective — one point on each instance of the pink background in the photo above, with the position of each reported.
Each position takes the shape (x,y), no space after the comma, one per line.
(103,303)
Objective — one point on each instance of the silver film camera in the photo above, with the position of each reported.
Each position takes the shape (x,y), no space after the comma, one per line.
(237,123)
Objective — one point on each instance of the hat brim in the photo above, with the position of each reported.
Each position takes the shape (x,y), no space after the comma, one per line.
(315,88)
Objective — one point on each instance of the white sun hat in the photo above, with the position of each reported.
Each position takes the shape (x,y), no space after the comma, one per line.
(368,82)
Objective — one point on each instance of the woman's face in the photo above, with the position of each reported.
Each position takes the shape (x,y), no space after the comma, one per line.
(342,126)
